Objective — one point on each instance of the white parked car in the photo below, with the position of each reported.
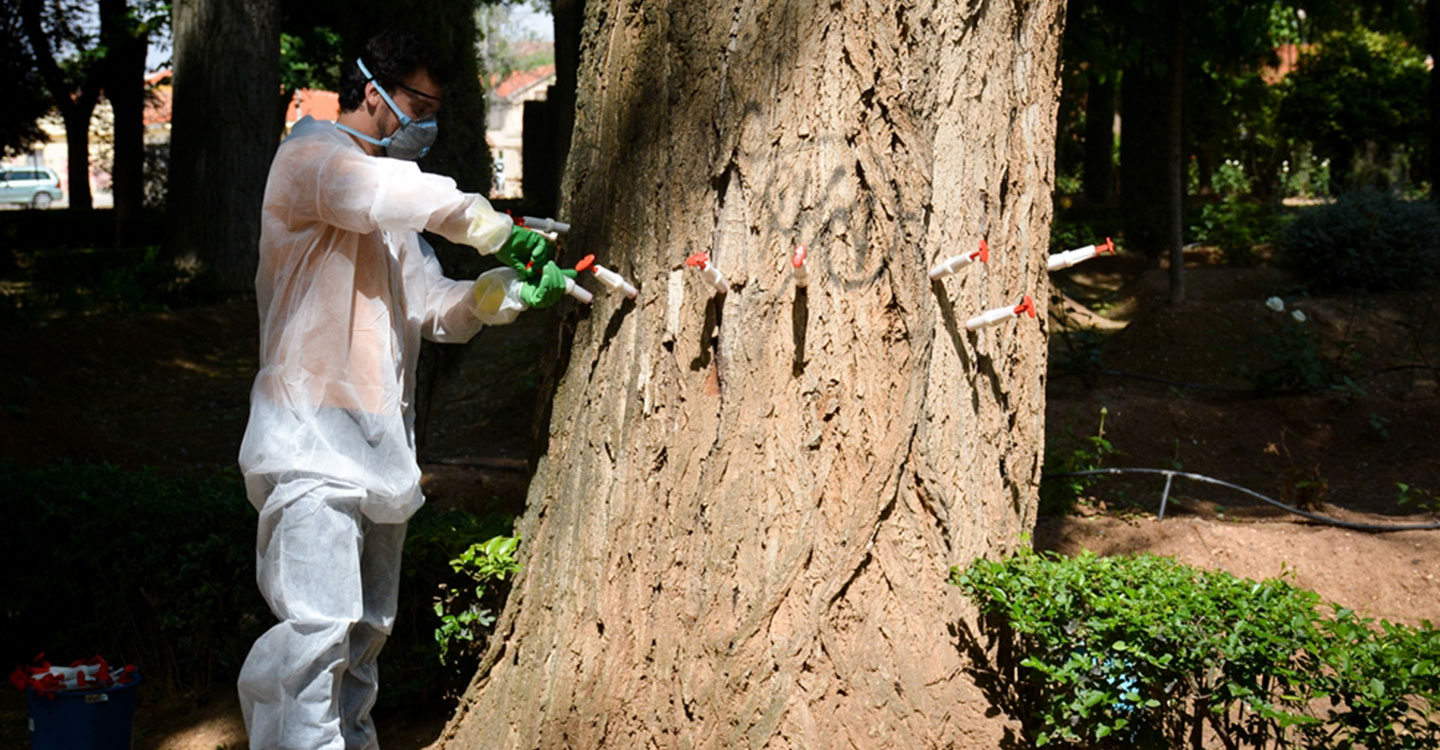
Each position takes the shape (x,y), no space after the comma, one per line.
(30,186)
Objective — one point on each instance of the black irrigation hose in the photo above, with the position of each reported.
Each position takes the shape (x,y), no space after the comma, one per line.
(1171,474)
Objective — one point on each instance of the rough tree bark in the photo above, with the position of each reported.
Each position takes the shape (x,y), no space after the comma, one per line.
(227,71)
(739,531)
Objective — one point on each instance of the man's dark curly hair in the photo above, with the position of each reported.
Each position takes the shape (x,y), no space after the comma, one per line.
(391,57)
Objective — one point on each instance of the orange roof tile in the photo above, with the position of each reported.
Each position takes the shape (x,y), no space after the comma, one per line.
(520,80)
(321,105)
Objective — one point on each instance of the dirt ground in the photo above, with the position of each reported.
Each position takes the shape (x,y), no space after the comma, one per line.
(170,390)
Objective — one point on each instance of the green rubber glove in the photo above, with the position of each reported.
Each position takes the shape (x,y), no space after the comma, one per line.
(548,288)
(525,251)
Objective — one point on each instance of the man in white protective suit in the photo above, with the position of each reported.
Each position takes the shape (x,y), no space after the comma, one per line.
(346,289)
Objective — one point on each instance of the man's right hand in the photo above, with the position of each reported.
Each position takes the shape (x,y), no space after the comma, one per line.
(525,251)
(548,287)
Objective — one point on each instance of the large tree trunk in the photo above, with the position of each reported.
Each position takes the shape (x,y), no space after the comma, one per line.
(227,73)
(739,531)
(124,84)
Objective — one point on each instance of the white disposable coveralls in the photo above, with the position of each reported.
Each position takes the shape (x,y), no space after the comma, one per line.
(346,289)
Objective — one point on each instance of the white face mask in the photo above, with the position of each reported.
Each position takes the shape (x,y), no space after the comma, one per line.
(411,140)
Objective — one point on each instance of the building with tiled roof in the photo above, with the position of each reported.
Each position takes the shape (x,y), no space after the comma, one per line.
(504,124)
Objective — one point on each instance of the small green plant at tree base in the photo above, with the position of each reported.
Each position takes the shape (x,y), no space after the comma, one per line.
(1058,494)
(465,613)
(1146,652)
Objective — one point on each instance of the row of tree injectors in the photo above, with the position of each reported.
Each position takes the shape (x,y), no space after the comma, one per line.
(800,272)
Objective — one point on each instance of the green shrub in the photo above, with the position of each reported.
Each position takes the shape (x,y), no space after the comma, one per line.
(1286,356)
(1235,226)
(1367,241)
(159,570)
(1146,652)
(468,612)
(134,565)
(91,280)
(417,667)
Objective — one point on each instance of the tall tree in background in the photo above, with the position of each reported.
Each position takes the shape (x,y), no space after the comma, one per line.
(1159,44)
(226,75)
(26,98)
(125,38)
(739,531)
(1432,44)
(67,58)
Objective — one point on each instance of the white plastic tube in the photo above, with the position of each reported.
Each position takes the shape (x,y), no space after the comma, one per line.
(614,281)
(798,268)
(1060,261)
(580,293)
(955,263)
(1001,314)
(711,274)
(541,224)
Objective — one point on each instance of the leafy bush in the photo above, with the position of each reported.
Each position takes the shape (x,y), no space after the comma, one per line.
(1355,88)
(1365,240)
(1146,652)
(1288,358)
(1235,226)
(91,280)
(468,612)
(416,665)
(159,570)
(137,566)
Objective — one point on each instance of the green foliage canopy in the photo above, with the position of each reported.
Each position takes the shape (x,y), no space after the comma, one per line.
(1354,87)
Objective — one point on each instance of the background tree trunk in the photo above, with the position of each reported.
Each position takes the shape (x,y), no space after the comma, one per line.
(124,74)
(739,532)
(227,73)
(1174,227)
(1100,139)
(77,153)
(1432,43)
(1144,151)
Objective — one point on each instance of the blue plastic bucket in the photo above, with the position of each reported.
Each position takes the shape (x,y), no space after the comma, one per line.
(98,719)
